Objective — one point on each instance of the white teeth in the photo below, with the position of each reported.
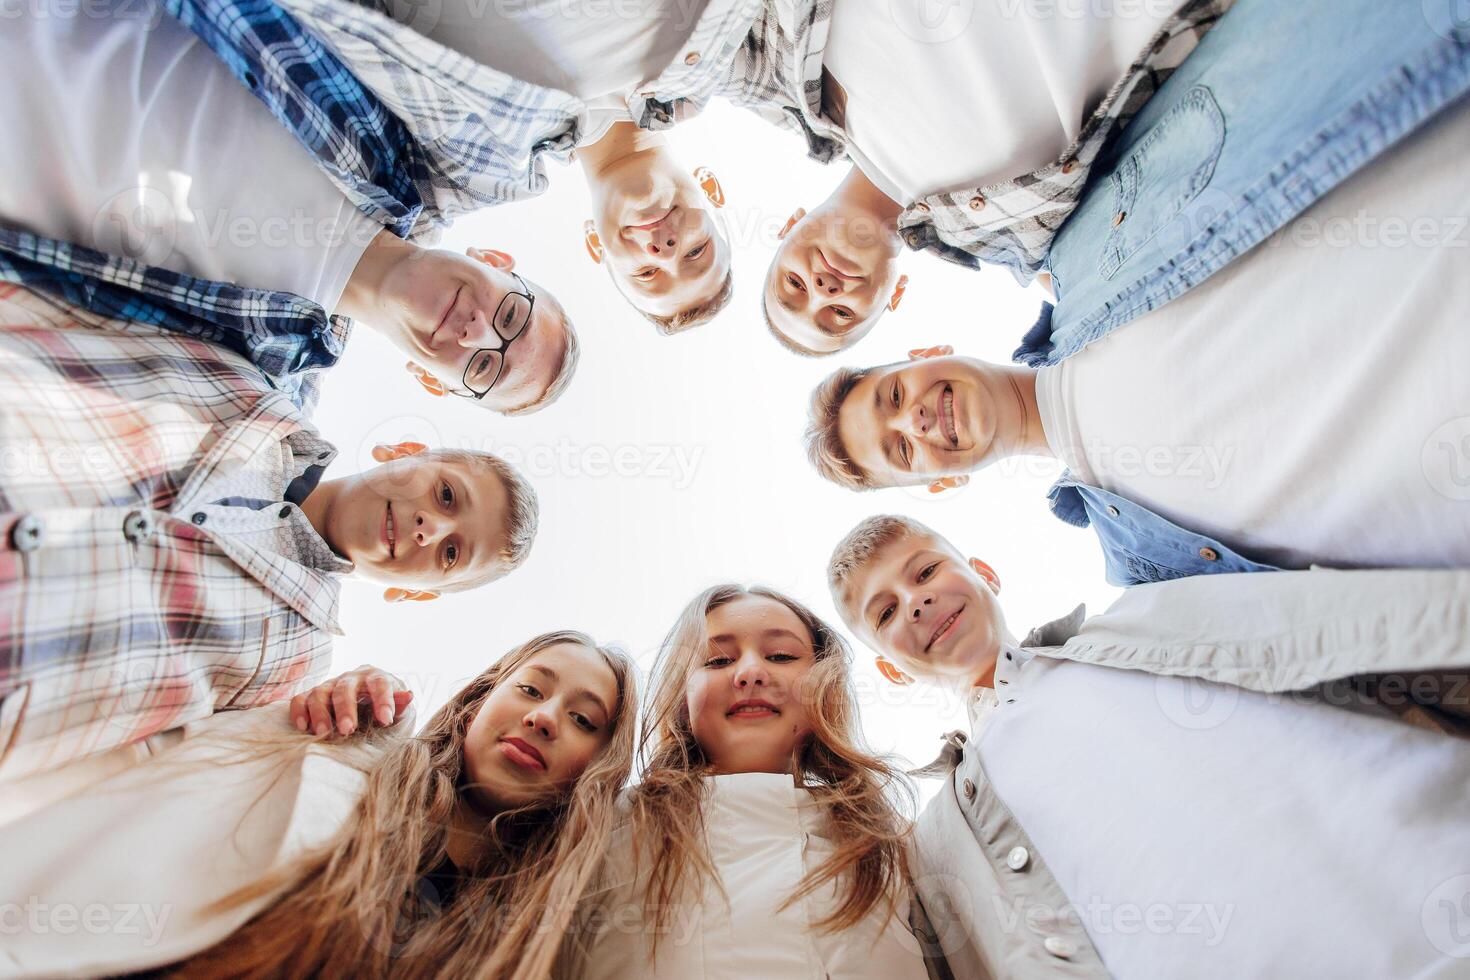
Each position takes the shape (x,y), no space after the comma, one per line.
(951,432)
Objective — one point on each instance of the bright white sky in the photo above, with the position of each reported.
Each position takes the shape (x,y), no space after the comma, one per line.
(712,483)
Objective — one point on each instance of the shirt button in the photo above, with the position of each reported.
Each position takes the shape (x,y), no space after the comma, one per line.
(977,203)
(969,787)
(284,512)
(691,59)
(1119,218)
(1062,949)
(1018,858)
(137,526)
(324,456)
(200,517)
(921,206)
(28,534)
(1209,554)
(1069,166)
(1112,511)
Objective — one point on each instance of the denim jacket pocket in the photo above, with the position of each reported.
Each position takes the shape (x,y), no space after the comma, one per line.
(1158,180)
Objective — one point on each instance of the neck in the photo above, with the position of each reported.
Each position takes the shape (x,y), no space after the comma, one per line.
(858,194)
(621,141)
(1028,437)
(366,291)
(465,841)
(986,677)
(318,508)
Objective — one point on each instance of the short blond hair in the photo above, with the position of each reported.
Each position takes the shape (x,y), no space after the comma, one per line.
(824,446)
(570,356)
(522,515)
(862,545)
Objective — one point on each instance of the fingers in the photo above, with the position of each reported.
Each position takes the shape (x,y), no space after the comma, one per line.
(344,701)
(319,708)
(298,713)
(380,689)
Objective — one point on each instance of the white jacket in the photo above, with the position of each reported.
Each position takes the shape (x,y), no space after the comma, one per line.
(764,835)
(118,878)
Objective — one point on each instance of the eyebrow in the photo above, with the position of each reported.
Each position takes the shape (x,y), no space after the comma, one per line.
(580,693)
(765,633)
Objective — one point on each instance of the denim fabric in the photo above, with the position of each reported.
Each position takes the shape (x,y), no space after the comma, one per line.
(1278,104)
(1138,545)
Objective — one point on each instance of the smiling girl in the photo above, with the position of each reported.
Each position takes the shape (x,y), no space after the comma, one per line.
(459,851)
(762,840)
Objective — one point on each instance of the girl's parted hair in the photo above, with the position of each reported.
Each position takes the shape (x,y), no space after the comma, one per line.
(870,834)
(360,905)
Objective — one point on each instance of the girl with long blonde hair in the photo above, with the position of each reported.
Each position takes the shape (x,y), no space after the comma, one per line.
(763,838)
(463,854)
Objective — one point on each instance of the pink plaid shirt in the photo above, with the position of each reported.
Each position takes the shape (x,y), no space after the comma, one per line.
(123,613)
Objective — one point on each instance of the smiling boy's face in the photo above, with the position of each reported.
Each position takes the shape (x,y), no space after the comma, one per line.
(833,276)
(657,229)
(420,522)
(928,610)
(443,307)
(921,420)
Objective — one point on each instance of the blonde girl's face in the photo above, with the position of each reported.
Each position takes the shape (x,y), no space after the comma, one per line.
(745,691)
(540,727)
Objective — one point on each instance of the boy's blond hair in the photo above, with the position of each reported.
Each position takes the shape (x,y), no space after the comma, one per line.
(861,547)
(824,446)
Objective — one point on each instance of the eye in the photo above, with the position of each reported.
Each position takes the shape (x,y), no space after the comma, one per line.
(451,556)
(446,494)
(782,658)
(510,315)
(885,616)
(895,394)
(482,365)
(645,275)
(529,691)
(583,722)
(905,454)
(697,251)
(717,661)
(843,313)
(794,281)
(927,571)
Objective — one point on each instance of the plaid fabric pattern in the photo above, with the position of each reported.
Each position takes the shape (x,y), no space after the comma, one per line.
(1010,223)
(289,338)
(120,615)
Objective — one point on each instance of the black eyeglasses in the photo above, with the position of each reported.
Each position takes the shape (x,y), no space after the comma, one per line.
(486,366)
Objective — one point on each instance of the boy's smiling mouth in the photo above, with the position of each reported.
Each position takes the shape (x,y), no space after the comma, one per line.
(946,416)
(444,319)
(944,628)
(390,536)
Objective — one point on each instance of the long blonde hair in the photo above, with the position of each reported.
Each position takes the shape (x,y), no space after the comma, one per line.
(869,832)
(359,906)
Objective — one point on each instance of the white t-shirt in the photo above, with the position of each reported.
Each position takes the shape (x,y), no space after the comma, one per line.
(1310,403)
(599,52)
(134,139)
(1216,832)
(947,95)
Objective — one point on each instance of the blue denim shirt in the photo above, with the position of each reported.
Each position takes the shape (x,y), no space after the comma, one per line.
(1139,545)
(1278,104)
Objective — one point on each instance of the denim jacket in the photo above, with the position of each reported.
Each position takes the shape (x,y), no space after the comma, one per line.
(1277,105)
(1138,545)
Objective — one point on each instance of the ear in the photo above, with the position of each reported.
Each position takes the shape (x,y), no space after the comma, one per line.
(501,260)
(948,483)
(891,673)
(791,222)
(593,241)
(987,573)
(426,380)
(898,291)
(384,454)
(408,595)
(710,184)
(943,350)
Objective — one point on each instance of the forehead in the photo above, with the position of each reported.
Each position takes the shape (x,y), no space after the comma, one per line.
(482,520)
(751,615)
(859,428)
(577,666)
(885,567)
(535,357)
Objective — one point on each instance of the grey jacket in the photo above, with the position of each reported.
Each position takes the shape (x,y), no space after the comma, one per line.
(987,891)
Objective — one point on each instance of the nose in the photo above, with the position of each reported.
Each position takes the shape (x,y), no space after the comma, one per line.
(827,283)
(474,331)
(751,673)
(919,605)
(541,719)
(428,527)
(917,421)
